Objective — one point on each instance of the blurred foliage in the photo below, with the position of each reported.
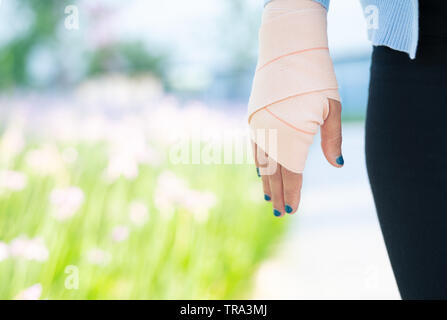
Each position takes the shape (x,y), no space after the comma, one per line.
(167,258)
(14,55)
(239,18)
(242,19)
(130,58)
(46,18)
(177,257)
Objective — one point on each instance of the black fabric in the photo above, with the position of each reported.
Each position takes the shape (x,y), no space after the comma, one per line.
(432,17)
(406,155)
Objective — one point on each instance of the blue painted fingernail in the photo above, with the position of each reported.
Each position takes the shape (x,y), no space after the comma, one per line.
(257,171)
(340,160)
(276,213)
(288,208)
(267,197)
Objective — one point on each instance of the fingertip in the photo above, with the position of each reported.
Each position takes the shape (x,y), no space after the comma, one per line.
(278,213)
(291,210)
(336,161)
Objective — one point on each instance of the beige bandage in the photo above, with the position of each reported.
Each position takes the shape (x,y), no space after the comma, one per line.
(293,81)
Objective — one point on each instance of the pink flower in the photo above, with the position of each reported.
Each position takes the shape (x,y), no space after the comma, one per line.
(29,249)
(120,233)
(32,293)
(98,257)
(172,192)
(4,251)
(138,213)
(45,161)
(12,180)
(65,202)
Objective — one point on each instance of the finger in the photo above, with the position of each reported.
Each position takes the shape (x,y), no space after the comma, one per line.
(260,154)
(266,188)
(255,156)
(292,183)
(331,135)
(276,186)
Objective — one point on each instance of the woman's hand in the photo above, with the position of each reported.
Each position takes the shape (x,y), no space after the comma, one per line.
(282,186)
(294,93)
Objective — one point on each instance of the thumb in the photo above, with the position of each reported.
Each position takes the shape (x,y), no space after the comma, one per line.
(331,135)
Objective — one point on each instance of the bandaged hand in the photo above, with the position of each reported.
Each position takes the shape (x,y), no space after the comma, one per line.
(294,93)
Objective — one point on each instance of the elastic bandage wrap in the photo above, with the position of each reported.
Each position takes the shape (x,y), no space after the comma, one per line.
(293,81)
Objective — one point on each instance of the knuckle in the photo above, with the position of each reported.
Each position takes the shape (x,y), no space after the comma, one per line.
(334,139)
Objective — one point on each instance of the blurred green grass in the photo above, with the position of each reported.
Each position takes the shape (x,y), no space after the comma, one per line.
(167,258)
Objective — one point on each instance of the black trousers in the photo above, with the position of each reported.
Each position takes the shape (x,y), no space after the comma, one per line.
(406,155)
